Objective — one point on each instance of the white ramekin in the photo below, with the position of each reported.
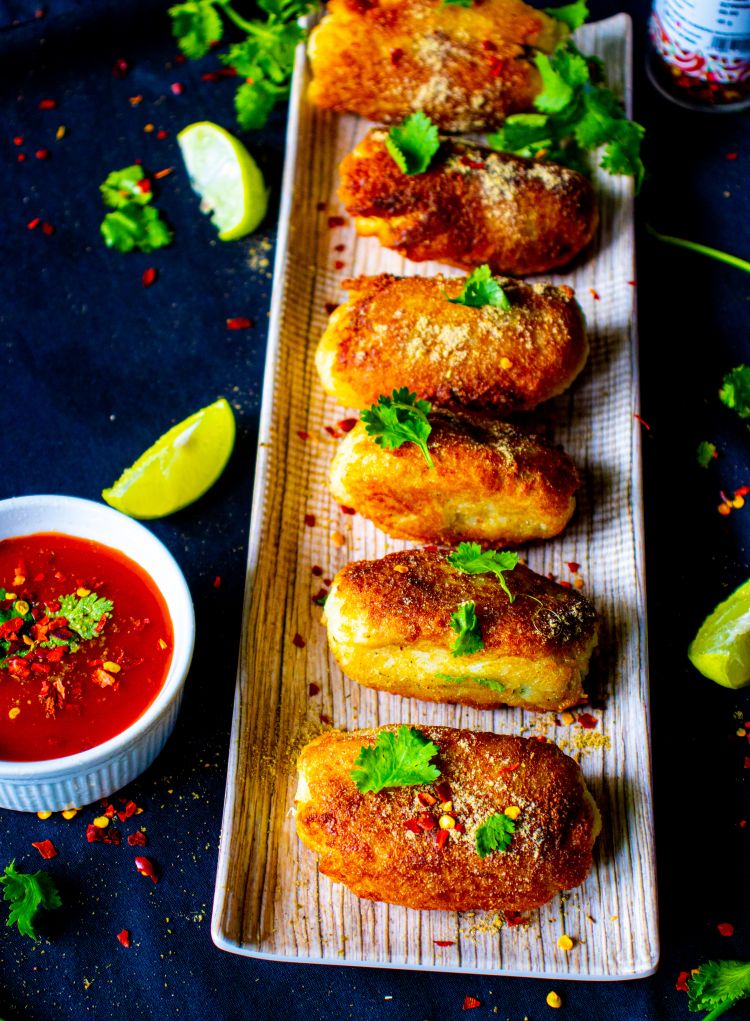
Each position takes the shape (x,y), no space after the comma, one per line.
(76,780)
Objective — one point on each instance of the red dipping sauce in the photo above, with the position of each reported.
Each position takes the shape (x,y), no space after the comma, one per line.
(60,690)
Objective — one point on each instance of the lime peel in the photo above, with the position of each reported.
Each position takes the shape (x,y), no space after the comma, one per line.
(721,648)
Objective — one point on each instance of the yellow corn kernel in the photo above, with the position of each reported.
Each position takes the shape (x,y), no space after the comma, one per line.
(81,592)
(12,713)
(10,595)
(43,815)
(101,822)
(113,668)
(148,128)
(60,133)
(446,822)
(567,719)
(553,999)
(724,509)
(162,644)
(337,539)
(512,811)
(22,607)
(565,942)
(70,813)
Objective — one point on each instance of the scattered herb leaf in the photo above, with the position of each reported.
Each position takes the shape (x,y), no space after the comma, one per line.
(464,622)
(705,453)
(717,986)
(196,25)
(395,760)
(735,390)
(482,289)
(85,614)
(471,559)
(495,834)
(26,894)
(399,419)
(486,682)
(573,15)
(135,226)
(123,186)
(413,143)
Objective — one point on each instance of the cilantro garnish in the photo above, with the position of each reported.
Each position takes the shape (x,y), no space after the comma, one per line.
(413,143)
(27,893)
(486,682)
(124,186)
(395,760)
(577,112)
(705,453)
(471,559)
(717,986)
(495,834)
(735,390)
(264,59)
(464,622)
(135,226)
(482,289)
(573,15)
(84,613)
(399,419)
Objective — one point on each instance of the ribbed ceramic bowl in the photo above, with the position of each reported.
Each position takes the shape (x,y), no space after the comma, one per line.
(76,780)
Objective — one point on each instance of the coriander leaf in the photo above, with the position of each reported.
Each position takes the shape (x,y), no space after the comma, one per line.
(622,153)
(486,682)
(27,893)
(413,143)
(85,613)
(573,15)
(471,559)
(595,127)
(395,760)
(556,92)
(399,419)
(481,289)
(253,104)
(495,834)
(123,186)
(735,390)
(717,986)
(706,453)
(135,226)
(520,132)
(196,25)
(464,622)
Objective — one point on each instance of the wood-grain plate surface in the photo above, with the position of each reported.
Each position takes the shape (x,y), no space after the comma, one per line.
(270,900)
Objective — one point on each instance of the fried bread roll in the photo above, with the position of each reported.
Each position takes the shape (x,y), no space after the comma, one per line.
(402,331)
(468,68)
(492,483)
(389,627)
(471,206)
(365,840)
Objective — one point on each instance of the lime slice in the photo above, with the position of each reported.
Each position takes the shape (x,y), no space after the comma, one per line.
(721,649)
(179,467)
(226,177)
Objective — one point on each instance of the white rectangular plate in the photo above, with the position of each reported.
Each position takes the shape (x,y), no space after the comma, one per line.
(270,900)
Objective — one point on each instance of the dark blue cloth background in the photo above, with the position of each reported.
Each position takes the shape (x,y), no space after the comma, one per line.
(95,366)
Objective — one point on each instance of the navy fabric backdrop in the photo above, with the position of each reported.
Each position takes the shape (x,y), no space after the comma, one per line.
(95,367)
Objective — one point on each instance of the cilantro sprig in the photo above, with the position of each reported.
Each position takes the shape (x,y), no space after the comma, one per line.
(706,453)
(735,390)
(480,289)
(26,894)
(471,559)
(263,59)
(413,143)
(573,15)
(495,834)
(402,759)
(399,419)
(469,634)
(133,223)
(717,986)
(85,614)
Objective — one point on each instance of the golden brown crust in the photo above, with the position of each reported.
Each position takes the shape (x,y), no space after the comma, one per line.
(492,482)
(467,68)
(389,628)
(402,331)
(363,842)
(472,206)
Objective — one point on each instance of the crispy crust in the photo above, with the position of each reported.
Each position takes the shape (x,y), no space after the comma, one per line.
(363,843)
(493,482)
(401,331)
(472,206)
(466,68)
(389,629)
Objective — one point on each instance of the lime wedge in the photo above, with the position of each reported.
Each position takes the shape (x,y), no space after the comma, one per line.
(721,649)
(226,177)
(179,467)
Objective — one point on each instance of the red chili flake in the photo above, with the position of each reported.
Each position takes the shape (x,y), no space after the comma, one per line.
(46,848)
(510,768)
(587,721)
(317,570)
(109,811)
(21,157)
(149,275)
(496,66)
(444,792)
(444,942)
(396,54)
(742,491)
(731,155)
(339,248)
(413,826)
(336,221)
(48,229)
(299,641)
(347,510)
(487,44)
(327,581)
(320,596)
(161,135)
(594,294)
(330,307)
(177,88)
(137,839)
(227,72)
(217,581)
(32,225)
(210,76)
(474,164)
(564,584)
(426,799)
(121,68)
(130,810)
(441,838)
(338,264)
(638,418)
(470,1002)
(124,937)
(146,868)
(573,567)
(303,435)
(144,185)
(325,720)
(310,520)
(47,104)
(180,58)
(747,762)
(682,980)
(513,918)
(632,283)
(313,689)
(239,323)
(321,206)
(346,424)
(725,929)
(96,836)
(459,827)
(743,823)
(332,432)
(18,140)
(426,821)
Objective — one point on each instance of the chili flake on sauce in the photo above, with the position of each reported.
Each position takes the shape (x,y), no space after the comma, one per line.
(67,685)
